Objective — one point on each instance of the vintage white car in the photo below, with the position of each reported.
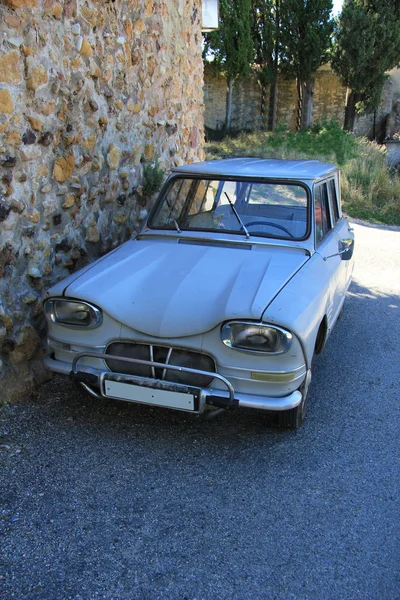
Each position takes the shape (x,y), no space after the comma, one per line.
(222,300)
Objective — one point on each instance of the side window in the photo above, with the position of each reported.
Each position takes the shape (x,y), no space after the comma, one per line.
(321,211)
(333,201)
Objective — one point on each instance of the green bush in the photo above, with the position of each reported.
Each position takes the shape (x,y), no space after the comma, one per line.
(153,178)
(370,190)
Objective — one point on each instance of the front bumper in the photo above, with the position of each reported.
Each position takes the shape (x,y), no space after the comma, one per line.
(95,381)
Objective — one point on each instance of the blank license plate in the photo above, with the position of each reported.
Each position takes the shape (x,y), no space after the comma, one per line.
(145,395)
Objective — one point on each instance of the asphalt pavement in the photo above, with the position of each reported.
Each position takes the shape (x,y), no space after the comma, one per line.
(117,501)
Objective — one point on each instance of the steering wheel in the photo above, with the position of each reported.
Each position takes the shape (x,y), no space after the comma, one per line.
(271,225)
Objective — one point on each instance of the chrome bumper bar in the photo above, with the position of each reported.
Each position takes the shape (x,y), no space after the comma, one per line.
(204,396)
(229,399)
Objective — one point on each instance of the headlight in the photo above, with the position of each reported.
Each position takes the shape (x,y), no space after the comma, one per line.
(256,337)
(72,313)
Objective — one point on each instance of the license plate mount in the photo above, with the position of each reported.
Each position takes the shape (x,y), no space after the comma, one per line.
(142,394)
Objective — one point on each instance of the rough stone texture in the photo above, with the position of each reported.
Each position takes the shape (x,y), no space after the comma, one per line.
(250,102)
(329,97)
(6,102)
(365,123)
(10,68)
(246,102)
(89,91)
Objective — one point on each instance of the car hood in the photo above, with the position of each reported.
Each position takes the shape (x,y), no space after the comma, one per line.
(169,289)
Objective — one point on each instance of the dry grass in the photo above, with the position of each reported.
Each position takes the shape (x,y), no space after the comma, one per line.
(370,190)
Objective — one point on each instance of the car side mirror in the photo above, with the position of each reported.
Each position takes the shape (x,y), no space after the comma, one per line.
(346,249)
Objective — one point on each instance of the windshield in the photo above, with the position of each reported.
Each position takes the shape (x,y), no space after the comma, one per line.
(245,207)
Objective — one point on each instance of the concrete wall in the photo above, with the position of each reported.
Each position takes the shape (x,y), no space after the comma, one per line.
(90,90)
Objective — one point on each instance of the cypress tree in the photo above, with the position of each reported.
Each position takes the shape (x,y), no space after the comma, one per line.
(266,35)
(231,46)
(306,30)
(367,45)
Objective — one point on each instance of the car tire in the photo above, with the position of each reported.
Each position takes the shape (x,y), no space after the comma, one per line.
(294,418)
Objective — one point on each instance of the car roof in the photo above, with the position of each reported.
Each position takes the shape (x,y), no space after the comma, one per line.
(259,167)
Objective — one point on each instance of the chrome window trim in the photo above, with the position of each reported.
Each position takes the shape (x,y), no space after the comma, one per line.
(332,201)
(175,175)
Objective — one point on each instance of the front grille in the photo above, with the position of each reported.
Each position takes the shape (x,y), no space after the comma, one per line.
(161,354)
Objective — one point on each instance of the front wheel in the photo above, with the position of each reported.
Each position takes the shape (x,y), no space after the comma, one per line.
(294,418)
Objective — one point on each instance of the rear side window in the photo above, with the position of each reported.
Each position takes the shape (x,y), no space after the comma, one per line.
(321,212)
(333,201)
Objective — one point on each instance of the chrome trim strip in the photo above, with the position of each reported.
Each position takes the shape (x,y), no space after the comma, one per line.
(246,370)
(54,339)
(151,351)
(167,363)
(237,378)
(254,242)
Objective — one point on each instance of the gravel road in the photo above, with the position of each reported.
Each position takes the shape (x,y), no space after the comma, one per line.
(118,501)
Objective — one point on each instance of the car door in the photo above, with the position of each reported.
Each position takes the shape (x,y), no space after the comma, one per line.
(327,245)
(343,232)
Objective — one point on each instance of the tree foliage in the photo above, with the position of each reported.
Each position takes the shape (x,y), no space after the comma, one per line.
(266,36)
(265,33)
(231,45)
(307,28)
(305,39)
(367,45)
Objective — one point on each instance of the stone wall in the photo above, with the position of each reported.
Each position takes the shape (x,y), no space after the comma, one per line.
(246,102)
(365,123)
(90,90)
(329,97)
(249,111)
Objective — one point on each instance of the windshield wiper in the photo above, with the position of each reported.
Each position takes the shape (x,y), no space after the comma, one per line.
(235,212)
(175,222)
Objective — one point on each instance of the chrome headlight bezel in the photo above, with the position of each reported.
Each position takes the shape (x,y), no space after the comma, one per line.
(53,308)
(283,337)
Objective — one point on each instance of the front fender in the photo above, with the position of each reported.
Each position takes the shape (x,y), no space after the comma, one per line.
(303,302)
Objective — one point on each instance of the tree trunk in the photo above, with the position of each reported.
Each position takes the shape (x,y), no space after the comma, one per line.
(350,116)
(307,98)
(274,88)
(299,103)
(272,112)
(229,104)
